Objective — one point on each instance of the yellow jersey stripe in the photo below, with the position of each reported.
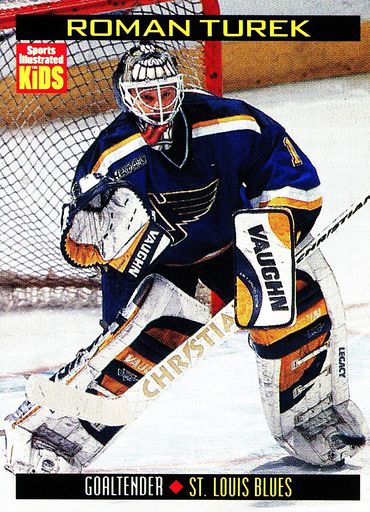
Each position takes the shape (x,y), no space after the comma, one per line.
(223,120)
(293,203)
(225,124)
(290,196)
(116,152)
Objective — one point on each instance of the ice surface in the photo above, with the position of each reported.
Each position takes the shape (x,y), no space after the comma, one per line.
(212,421)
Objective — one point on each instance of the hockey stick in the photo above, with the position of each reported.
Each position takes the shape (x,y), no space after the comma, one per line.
(124,409)
(330,229)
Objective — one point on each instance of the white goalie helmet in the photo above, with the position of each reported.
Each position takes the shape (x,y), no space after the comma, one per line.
(148,84)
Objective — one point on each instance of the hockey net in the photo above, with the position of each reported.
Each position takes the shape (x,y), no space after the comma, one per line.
(44,136)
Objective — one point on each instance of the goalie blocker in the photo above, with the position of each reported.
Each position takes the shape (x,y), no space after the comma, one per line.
(303,377)
(264,268)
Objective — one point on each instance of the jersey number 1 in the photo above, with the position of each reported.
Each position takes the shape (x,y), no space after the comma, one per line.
(293,153)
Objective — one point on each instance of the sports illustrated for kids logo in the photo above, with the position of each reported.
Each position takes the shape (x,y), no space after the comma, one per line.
(41,68)
(183,281)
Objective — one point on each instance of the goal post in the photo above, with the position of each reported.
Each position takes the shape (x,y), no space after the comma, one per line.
(45,135)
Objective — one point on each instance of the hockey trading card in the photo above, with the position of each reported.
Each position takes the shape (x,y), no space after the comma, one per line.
(137,137)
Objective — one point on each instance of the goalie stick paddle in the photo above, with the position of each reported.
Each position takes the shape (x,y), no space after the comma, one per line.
(123,409)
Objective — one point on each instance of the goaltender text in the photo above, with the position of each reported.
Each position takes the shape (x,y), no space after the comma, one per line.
(123,485)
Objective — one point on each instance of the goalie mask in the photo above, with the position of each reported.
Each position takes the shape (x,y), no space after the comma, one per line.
(148,84)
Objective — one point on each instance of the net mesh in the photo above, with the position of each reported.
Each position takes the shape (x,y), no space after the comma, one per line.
(43,138)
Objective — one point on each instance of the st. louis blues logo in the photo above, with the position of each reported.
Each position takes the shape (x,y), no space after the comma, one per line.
(176,209)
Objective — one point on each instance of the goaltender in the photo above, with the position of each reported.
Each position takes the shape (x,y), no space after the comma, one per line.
(152,205)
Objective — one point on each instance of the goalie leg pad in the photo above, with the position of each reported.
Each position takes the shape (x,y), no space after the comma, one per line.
(158,318)
(303,377)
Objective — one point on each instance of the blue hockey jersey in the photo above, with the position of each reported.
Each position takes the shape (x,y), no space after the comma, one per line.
(226,155)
